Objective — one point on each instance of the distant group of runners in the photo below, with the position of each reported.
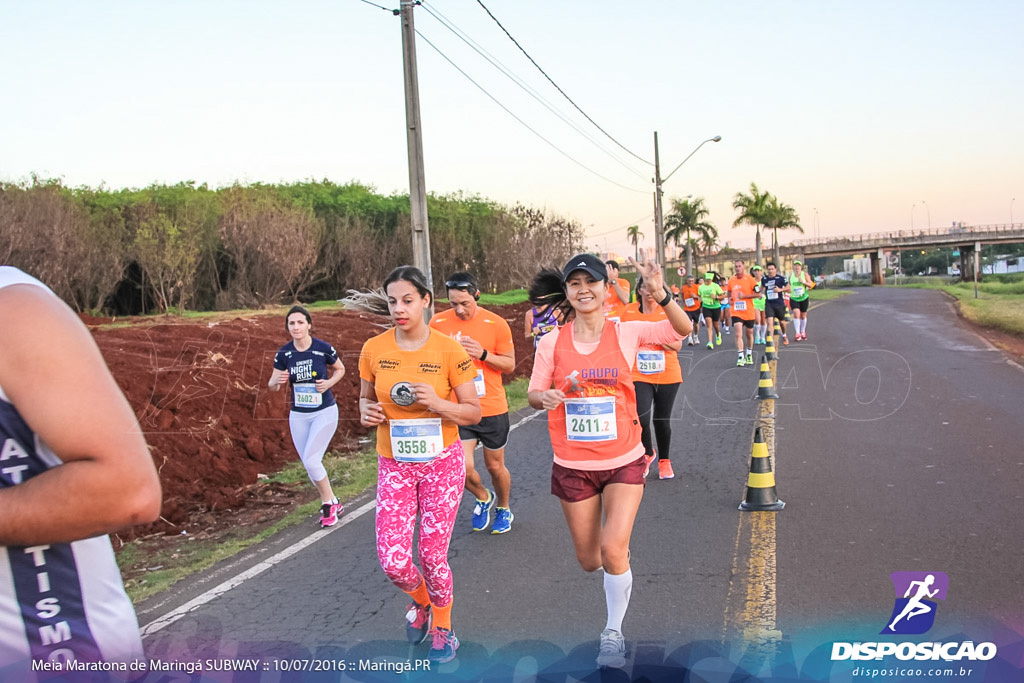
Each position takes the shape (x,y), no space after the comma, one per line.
(751,302)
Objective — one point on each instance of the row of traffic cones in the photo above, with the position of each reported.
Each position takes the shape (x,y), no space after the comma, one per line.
(761,495)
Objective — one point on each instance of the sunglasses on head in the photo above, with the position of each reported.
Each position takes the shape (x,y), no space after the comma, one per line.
(458,284)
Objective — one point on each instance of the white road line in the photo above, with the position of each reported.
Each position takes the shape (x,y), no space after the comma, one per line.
(170,617)
(257,569)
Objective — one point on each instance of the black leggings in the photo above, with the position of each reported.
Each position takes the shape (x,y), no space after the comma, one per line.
(662,397)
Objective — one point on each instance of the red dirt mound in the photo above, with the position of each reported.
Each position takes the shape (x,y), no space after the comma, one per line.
(199,390)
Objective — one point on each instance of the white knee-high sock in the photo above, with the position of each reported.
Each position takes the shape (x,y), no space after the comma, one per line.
(617,589)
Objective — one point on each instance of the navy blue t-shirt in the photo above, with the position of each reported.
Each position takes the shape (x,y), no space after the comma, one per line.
(770,283)
(304,369)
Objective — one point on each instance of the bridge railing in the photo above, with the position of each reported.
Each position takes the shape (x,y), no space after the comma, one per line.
(954,231)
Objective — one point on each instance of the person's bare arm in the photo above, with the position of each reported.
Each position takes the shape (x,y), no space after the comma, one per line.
(51,370)
(464,411)
(502,362)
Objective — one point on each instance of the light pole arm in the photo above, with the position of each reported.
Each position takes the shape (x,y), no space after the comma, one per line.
(714,139)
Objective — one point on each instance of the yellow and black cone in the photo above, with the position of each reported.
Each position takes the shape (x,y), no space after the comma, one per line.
(769,348)
(778,326)
(765,387)
(761,494)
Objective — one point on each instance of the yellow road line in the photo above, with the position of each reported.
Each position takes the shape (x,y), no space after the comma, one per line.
(751,600)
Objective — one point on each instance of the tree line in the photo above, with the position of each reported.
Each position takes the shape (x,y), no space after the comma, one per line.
(186,246)
(686,224)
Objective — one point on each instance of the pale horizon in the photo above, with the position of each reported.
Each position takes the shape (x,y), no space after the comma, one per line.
(881,117)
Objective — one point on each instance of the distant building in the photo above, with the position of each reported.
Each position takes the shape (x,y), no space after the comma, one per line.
(1005,264)
(858,265)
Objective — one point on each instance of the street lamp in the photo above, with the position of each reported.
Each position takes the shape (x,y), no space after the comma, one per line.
(1011,211)
(817,234)
(659,223)
(929,214)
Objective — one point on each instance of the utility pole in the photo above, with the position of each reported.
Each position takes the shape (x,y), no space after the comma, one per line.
(659,222)
(414,136)
(659,225)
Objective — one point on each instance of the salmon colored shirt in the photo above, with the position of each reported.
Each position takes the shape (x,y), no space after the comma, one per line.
(651,356)
(495,336)
(630,336)
(441,362)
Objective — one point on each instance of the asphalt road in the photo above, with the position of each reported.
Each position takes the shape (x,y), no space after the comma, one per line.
(897,447)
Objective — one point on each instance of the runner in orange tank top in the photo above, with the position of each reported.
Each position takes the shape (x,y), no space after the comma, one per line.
(691,304)
(582,375)
(657,377)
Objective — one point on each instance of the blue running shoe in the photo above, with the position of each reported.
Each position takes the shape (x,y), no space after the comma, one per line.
(417,622)
(482,512)
(445,644)
(503,518)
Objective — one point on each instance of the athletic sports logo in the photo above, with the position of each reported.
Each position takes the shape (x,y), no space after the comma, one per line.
(402,394)
(914,609)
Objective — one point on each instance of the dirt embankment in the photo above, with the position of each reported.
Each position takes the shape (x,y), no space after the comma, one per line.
(199,390)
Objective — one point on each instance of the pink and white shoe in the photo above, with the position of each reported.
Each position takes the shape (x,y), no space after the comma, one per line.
(329,513)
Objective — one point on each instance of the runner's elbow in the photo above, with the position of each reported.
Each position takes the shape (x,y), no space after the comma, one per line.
(144,502)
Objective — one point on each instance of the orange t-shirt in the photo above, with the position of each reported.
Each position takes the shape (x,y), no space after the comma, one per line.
(494,335)
(691,299)
(613,306)
(441,362)
(651,357)
(741,308)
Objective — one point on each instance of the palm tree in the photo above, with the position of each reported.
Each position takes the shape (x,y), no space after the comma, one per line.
(780,216)
(753,208)
(634,235)
(686,224)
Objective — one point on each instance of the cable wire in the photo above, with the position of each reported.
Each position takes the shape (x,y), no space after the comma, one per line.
(479,2)
(624,227)
(386,9)
(464,37)
(523,123)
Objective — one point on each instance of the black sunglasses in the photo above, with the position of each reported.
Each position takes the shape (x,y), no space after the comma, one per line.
(458,284)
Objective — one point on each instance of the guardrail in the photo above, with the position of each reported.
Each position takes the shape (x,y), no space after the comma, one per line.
(951,232)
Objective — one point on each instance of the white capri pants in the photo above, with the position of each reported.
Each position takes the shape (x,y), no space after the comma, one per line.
(311,434)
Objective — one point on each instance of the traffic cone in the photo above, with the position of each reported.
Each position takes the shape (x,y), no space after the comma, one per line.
(769,348)
(761,495)
(765,388)
(778,327)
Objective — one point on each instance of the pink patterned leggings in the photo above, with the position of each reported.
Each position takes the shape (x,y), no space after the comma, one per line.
(434,490)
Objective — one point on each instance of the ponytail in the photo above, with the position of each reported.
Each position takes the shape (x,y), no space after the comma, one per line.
(547,293)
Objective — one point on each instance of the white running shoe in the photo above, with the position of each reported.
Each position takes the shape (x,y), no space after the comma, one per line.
(612,652)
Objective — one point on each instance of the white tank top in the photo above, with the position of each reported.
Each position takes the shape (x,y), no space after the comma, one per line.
(63,601)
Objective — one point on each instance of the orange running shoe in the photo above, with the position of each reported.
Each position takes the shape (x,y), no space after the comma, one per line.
(665,469)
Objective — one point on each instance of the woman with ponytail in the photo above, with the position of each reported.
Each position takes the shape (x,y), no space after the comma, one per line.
(582,375)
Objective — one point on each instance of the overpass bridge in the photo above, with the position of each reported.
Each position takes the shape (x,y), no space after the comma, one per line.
(968,238)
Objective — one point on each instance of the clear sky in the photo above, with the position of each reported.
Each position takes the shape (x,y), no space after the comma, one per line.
(863,116)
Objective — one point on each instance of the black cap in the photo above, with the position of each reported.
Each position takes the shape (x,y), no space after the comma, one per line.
(587,262)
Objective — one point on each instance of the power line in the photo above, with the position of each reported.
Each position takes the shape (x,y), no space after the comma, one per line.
(450,25)
(636,222)
(479,2)
(523,123)
(386,9)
